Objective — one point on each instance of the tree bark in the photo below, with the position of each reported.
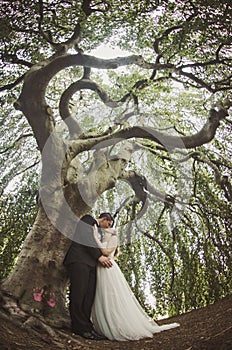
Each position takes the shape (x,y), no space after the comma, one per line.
(39,268)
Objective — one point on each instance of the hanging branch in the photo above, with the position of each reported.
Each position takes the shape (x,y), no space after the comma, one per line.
(161,245)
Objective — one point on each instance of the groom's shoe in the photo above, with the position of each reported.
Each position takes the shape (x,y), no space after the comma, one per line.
(88,335)
(99,336)
(92,335)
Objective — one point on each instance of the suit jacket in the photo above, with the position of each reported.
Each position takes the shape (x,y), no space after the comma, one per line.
(83,248)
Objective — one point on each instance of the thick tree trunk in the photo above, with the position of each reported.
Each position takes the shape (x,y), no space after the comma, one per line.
(39,279)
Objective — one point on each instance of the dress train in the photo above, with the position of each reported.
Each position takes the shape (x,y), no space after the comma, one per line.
(116,313)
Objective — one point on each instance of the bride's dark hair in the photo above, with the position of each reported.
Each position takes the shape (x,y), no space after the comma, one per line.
(108,217)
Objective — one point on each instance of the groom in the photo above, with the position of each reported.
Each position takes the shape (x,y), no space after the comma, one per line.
(81,261)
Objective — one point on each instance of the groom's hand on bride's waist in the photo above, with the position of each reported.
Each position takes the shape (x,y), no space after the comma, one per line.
(105,261)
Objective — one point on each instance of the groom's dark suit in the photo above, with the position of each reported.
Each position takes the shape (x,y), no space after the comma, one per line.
(81,261)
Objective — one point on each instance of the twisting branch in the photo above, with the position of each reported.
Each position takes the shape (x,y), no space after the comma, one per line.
(75,37)
(222,180)
(163,197)
(168,142)
(61,62)
(74,128)
(143,191)
(138,183)
(84,84)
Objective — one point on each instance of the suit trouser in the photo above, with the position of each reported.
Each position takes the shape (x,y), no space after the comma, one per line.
(82,292)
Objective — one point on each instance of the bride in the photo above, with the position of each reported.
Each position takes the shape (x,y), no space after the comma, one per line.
(116,313)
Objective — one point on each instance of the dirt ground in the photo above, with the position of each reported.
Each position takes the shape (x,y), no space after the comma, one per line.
(208,328)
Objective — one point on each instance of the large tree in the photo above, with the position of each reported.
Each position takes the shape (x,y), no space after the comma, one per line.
(92,128)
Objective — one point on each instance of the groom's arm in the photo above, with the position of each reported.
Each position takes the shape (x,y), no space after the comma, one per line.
(108,247)
(87,223)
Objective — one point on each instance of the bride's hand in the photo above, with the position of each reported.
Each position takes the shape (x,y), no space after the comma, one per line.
(105,261)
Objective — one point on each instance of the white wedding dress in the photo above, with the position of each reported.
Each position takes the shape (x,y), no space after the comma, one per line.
(116,313)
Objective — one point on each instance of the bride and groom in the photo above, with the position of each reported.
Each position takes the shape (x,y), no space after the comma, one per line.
(102,305)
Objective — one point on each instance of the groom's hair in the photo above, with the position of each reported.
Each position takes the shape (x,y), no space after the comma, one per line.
(107,216)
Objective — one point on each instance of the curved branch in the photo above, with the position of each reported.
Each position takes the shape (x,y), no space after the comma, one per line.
(205,64)
(143,190)
(138,184)
(164,35)
(27,168)
(220,47)
(200,82)
(74,128)
(12,85)
(53,66)
(45,36)
(40,74)
(169,142)
(197,80)
(75,38)
(84,84)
